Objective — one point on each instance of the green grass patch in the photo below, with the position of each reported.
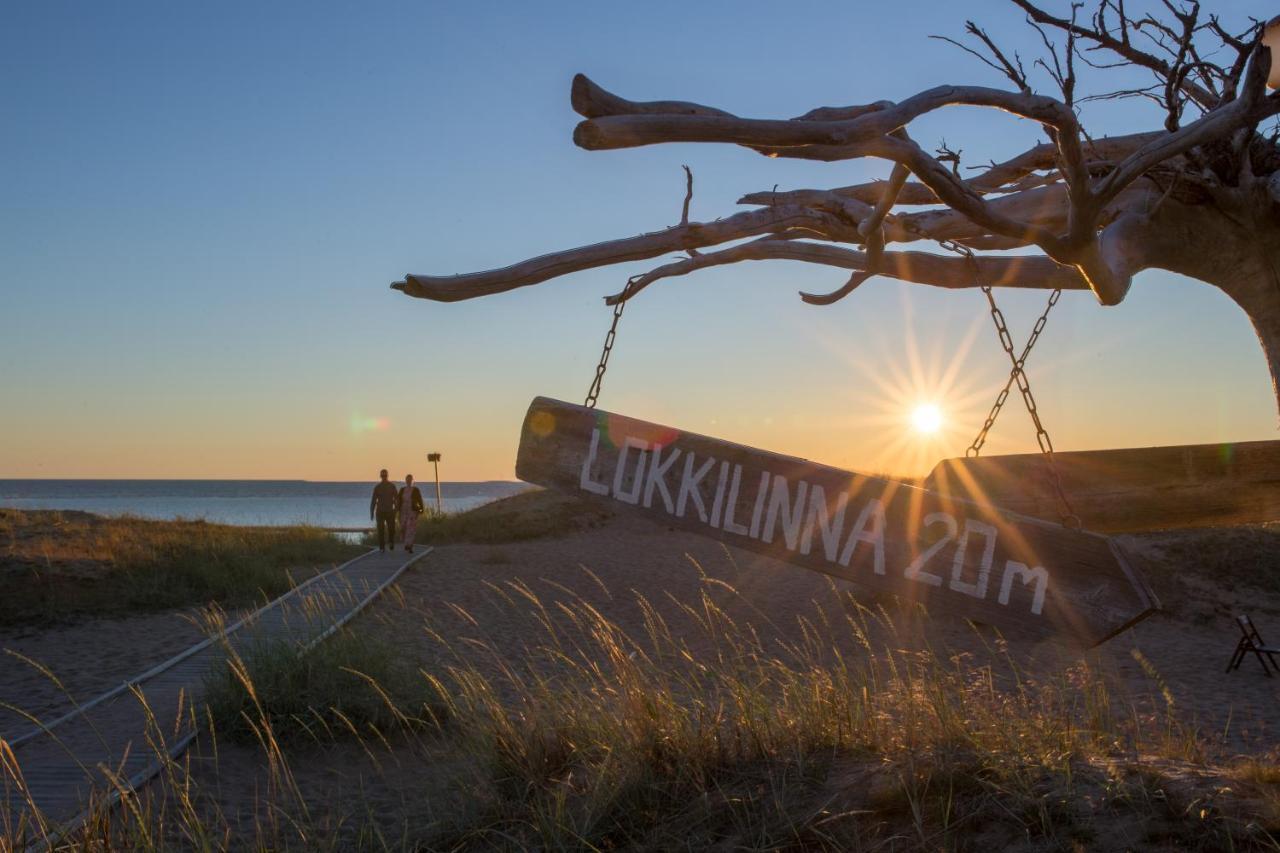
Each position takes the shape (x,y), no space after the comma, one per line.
(534,514)
(350,686)
(64,565)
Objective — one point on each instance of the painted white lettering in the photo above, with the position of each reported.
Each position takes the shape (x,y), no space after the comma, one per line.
(731,504)
(869,529)
(584,479)
(1039,574)
(757,513)
(689,487)
(916,571)
(620,473)
(978,589)
(828,524)
(792,513)
(658,469)
(717,503)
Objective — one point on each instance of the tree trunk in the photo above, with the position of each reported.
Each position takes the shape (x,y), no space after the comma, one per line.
(1259,296)
(1235,248)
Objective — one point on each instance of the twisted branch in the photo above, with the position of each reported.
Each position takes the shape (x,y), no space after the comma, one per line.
(1082,205)
(1023,271)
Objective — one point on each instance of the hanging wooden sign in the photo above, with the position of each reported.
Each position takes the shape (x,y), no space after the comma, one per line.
(952,555)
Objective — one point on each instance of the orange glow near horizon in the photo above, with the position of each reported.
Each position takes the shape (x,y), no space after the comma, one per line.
(851,398)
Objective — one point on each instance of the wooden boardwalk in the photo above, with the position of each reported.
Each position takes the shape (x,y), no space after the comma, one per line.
(115,742)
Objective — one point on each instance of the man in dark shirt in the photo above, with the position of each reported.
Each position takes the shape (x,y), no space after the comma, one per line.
(383,507)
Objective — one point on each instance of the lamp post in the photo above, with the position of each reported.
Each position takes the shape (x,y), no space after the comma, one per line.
(434,459)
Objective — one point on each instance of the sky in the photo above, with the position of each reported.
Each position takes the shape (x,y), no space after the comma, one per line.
(202,207)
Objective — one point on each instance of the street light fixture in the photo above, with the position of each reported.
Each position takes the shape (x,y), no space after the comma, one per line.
(434,459)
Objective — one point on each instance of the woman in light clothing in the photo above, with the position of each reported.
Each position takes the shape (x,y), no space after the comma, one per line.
(409,503)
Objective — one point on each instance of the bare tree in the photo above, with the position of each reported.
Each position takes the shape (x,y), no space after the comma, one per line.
(1199,196)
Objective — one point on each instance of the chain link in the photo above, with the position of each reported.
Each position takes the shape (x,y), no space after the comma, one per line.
(593,393)
(1017,376)
(981,438)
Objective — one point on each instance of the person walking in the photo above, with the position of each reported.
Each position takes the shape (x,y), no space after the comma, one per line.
(409,502)
(383,507)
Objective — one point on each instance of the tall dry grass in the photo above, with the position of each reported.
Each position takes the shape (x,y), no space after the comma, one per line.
(720,735)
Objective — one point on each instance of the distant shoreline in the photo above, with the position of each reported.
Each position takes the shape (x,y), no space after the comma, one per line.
(369,480)
(242,503)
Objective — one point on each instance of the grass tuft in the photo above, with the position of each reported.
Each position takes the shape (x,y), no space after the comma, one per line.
(349,686)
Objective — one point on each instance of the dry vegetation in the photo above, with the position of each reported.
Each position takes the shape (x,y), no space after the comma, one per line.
(716,734)
(635,743)
(529,515)
(58,565)
(1245,556)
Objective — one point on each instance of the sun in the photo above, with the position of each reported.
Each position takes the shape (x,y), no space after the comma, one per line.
(926,418)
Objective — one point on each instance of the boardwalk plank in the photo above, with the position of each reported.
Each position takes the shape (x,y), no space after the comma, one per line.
(61,767)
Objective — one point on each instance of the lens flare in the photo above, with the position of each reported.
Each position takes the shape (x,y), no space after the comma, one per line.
(360,423)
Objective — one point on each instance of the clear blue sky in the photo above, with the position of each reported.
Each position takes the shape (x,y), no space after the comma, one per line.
(201,206)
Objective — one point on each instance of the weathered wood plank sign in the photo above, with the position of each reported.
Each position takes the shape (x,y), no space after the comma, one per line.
(952,555)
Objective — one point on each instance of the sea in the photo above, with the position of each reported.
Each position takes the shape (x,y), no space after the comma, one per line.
(241,502)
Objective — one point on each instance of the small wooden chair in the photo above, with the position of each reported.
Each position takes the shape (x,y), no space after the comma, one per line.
(1252,641)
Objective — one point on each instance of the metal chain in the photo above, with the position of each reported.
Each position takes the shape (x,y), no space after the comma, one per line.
(593,393)
(1019,376)
(981,438)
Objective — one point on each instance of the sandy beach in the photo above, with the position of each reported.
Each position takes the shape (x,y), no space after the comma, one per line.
(511,612)
(496,601)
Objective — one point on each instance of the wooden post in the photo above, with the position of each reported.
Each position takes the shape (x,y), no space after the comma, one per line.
(434,459)
(953,555)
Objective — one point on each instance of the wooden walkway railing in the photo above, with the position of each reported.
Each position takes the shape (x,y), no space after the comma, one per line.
(89,757)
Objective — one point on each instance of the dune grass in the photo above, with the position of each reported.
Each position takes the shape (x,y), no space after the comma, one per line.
(529,515)
(60,565)
(1245,554)
(595,739)
(350,686)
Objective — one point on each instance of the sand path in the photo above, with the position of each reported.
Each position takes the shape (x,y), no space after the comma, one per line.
(88,658)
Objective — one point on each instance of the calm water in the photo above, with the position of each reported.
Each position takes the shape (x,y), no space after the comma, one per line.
(264,502)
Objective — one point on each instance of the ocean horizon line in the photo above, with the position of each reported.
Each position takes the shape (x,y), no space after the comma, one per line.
(323,503)
(236,480)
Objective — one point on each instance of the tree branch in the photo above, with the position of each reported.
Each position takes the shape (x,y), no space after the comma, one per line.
(1247,110)
(592,101)
(1121,47)
(631,130)
(1080,204)
(1023,271)
(678,238)
(1003,177)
